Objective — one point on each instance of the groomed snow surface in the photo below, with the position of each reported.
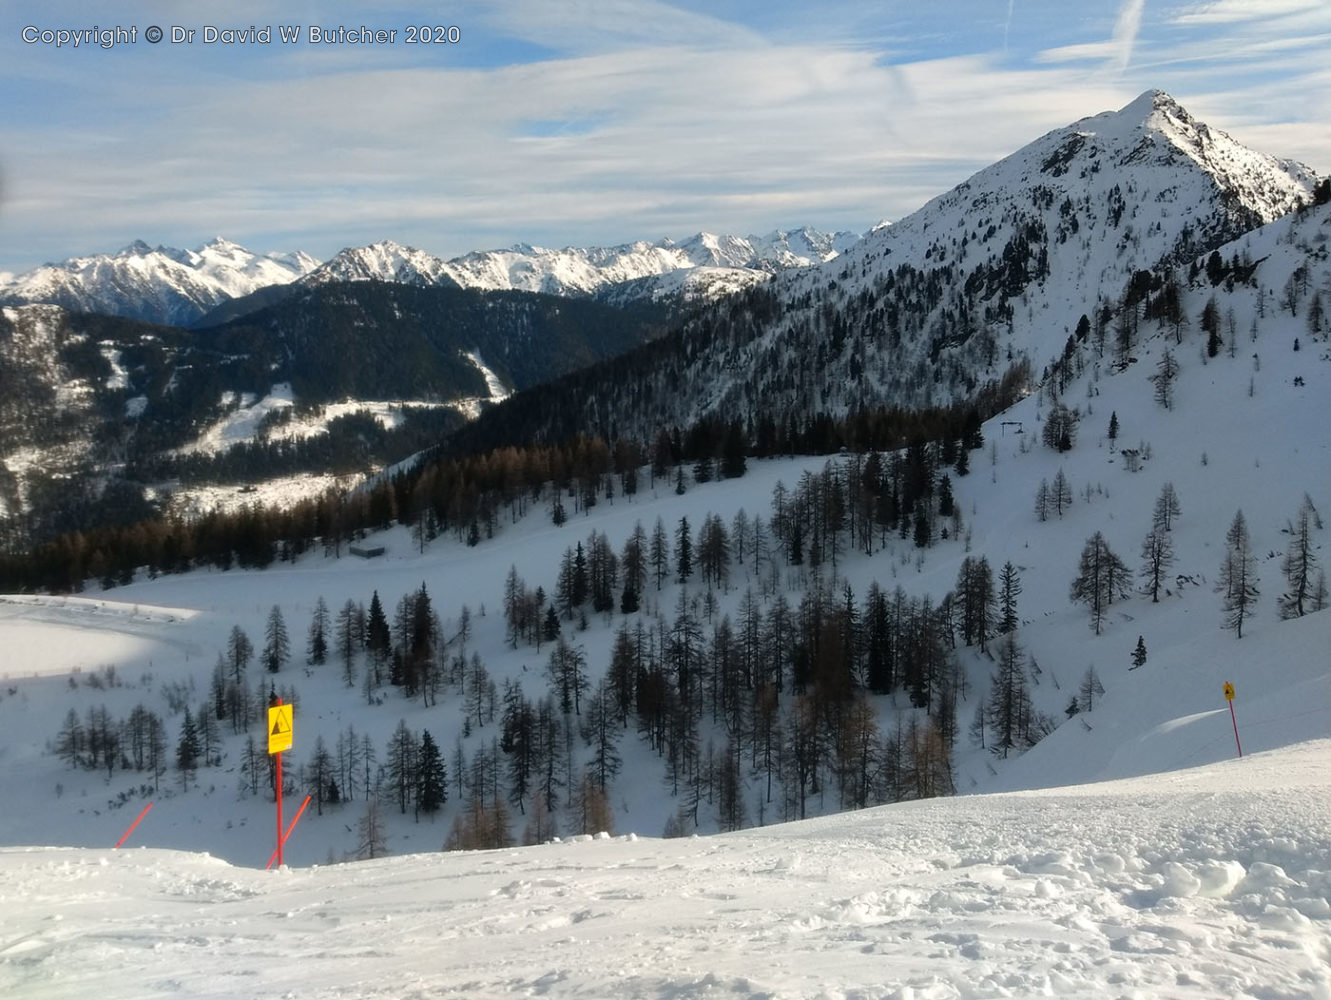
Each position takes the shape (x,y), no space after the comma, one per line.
(1212,882)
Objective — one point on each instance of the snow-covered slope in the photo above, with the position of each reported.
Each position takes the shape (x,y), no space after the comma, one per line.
(1195,874)
(1208,883)
(158,285)
(1059,227)
(996,271)
(1065,221)
(1245,430)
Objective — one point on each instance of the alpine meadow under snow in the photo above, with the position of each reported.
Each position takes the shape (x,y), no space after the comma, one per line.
(1053,804)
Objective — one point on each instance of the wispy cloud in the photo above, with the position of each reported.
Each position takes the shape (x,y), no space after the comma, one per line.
(1234,11)
(598,26)
(1126,29)
(637,119)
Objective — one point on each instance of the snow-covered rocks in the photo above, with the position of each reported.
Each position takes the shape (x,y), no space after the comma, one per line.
(156,284)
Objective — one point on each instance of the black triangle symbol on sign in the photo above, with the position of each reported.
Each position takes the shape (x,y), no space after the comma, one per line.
(277,727)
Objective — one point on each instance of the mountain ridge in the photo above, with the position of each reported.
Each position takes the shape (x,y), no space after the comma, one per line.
(583,270)
(998,271)
(155,284)
(221,280)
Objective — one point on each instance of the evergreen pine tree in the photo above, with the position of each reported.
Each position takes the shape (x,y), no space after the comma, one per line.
(1166,508)
(1157,557)
(628,600)
(402,765)
(1042,501)
(683,550)
(1010,714)
(578,585)
(1238,576)
(1060,493)
(319,775)
(550,626)
(1300,566)
(187,751)
(371,832)
(378,636)
(1166,372)
(276,645)
(1101,577)
(431,777)
(659,554)
(239,653)
(316,645)
(1060,428)
(1139,653)
(1091,688)
(1009,588)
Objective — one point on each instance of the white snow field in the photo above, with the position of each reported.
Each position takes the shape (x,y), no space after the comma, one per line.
(1211,882)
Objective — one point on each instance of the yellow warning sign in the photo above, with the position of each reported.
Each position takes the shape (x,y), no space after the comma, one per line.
(1229,691)
(279,728)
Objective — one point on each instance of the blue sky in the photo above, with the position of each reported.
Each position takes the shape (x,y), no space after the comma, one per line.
(595,121)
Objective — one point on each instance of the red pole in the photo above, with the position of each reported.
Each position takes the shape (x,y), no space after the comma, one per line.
(132,826)
(287,835)
(1236,727)
(278,796)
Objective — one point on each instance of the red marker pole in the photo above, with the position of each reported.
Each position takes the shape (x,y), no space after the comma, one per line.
(132,826)
(287,836)
(278,796)
(1236,727)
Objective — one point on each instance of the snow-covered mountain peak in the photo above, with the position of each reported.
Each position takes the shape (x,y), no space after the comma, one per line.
(158,284)
(381,261)
(595,270)
(1127,189)
(1154,130)
(1146,108)
(169,285)
(999,270)
(221,249)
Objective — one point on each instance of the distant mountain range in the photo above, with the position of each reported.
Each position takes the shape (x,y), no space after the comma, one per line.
(155,284)
(221,280)
(582,271)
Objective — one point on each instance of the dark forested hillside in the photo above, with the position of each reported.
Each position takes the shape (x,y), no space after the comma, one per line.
(96,408)
(378,340)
